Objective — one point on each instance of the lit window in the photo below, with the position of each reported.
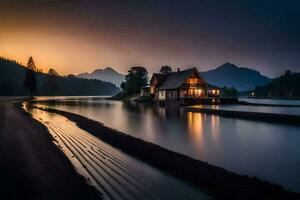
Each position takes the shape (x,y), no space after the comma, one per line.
(193,80)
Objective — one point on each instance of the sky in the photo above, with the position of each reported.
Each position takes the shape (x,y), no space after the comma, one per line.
(75,36)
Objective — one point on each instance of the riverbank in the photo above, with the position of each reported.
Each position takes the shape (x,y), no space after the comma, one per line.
(266,104)
(255,116)
(216,181)
(31,166)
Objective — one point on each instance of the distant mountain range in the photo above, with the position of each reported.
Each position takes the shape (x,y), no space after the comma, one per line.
(108,74)
(227,74)
(230,75)
(12,76)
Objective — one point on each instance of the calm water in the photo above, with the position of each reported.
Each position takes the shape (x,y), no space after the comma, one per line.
(270,151)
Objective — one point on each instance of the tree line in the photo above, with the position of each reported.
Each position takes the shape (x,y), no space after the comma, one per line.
(30,82)
(19,80)
(286,86)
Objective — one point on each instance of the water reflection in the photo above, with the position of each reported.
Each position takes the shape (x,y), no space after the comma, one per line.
(195,127)
(270,151)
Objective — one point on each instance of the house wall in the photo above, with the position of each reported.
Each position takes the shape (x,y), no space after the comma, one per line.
(195,79)
(213,93)
(183,93)
(172,95)
(162,94)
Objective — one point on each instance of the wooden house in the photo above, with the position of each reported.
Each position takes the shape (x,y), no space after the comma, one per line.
(185,87)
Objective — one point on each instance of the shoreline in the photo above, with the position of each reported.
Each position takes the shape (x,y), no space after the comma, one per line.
(253,116)
(31,165)
(266,104)
(218,182)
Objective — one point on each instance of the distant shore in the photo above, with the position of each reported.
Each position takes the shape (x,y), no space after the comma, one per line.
(31,166)
(255,116)
(266,104)
(220,183)
(276,98)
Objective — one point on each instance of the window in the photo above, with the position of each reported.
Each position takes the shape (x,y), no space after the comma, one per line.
(215,92)
(195,93)
(193,80)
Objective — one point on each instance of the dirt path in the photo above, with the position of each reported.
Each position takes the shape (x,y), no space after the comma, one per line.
(31,166)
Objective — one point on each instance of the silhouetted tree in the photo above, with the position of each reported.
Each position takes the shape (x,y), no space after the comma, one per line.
(39,70)
(165,69)
(286,86)
(136,78)
(71,76)
(123,86)
(51,83)
(229,92)
(53,72)
(10,71)
(30,77)
(31,64)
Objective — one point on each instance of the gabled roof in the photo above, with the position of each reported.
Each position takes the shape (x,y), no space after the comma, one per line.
(175,79)
(160,78)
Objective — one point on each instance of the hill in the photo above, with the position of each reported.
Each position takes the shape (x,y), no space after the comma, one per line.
(108,74)
(285,86)
(12,76)
(230,75)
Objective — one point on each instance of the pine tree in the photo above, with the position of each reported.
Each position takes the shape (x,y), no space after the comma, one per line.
(31,64)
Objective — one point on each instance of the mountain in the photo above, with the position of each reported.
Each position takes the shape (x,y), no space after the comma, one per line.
(108,74)
(230,75)
(285,86)
(12,75)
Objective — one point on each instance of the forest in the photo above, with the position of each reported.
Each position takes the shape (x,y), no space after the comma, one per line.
(19,80)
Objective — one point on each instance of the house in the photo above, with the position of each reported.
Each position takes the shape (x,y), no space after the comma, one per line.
(145,91)
(184,87)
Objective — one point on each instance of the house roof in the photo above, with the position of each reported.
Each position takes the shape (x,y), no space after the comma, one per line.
(159,78)
(175,79)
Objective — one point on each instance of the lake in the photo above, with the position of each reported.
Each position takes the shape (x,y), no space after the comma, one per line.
(269,151)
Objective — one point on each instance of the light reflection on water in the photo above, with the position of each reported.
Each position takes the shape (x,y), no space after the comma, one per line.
(270,151)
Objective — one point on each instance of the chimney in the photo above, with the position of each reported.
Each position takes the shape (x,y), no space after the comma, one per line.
(178,70)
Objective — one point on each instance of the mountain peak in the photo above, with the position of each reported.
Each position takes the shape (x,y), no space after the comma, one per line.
(109,69)
(228,66)
(230,75)
(107,74)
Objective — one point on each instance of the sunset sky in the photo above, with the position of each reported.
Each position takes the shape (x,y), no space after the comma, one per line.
(75,36)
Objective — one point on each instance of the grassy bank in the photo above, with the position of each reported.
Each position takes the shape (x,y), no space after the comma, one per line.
(218,182)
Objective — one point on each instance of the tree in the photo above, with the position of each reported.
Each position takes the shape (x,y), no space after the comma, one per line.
(136,78)
(165,69)
(51,83)
(71,76)
(229,92)
(30,81)
(123,86)
(53,72)
(31,64)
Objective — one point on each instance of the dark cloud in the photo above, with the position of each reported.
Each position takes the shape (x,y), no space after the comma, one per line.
(263,34)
